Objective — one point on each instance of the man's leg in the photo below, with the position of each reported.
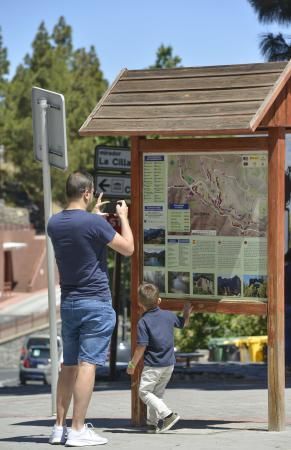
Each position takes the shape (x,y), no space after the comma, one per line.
(82,393)
(66,382)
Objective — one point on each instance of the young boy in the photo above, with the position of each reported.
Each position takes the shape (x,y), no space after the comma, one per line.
(155,341)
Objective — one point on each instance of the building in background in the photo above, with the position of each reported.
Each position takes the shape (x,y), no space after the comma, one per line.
(22,253)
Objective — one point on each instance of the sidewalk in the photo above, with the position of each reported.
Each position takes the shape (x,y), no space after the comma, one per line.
(215,414)
(18,297)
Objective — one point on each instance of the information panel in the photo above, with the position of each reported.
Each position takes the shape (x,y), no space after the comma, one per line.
(205,224)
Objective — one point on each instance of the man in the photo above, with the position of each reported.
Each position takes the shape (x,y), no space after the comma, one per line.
(79,239)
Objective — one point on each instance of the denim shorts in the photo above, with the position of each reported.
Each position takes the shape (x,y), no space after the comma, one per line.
(87,326)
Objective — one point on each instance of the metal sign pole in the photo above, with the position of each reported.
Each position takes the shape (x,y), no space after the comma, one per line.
(50,255)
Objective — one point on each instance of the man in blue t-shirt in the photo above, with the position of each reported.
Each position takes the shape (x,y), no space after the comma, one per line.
(155,342)
(80,240)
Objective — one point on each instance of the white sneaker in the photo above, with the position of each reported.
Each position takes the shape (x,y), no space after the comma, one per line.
(84,437)
(58,435)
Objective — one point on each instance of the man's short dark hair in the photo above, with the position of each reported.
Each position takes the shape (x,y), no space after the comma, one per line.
(77,183)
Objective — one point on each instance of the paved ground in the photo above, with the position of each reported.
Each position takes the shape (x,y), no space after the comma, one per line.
(221,407)
(217,412)
(19,303)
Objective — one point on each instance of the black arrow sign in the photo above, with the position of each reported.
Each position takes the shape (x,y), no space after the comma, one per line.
(103,185)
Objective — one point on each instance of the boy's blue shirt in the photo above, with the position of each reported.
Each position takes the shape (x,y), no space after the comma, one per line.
(155,330)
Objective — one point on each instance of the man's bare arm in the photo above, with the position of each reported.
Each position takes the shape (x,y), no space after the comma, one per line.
(123,243)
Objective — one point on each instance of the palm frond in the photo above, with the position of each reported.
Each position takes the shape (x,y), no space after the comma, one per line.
(275,47)
(270,11)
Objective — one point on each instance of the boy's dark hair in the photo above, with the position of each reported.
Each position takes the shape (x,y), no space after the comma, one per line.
(77,183)
(148,295)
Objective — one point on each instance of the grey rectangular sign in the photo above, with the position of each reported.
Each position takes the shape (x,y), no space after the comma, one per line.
(113,186)
(112,158)
(56,127)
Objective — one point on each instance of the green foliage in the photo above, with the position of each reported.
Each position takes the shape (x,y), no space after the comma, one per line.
(203,327)
(165,58)
(4,63)
(256,290)
(56,66)
(274,47)
(4,68)
(270,11)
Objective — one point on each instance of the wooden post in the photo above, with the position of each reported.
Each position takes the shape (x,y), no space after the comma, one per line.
(138,409)
(276,206)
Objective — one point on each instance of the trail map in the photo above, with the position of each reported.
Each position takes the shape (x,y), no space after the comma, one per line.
(225,192)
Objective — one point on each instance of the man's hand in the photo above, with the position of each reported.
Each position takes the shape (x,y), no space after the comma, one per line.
(122,209)
(99,205)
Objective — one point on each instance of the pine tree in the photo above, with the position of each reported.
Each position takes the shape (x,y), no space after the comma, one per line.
(165,58)
(4,63)
(56,66)
(4,68)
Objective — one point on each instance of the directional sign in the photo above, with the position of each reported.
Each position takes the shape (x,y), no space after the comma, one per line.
(113,186)
(55,127)
(112,158)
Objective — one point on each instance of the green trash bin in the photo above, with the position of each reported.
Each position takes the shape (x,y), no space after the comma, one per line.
(223,349)
(216,349)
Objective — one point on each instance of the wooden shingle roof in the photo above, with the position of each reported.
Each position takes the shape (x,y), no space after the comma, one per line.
(199,100)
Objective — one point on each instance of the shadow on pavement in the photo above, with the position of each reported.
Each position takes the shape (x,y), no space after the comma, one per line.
(33,439)
(30,389)
(182,380)
(121,426)
(36,389)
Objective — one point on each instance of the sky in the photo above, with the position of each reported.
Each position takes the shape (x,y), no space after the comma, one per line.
(127,33)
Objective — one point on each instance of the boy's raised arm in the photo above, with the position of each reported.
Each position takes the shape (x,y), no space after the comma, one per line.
(187,309)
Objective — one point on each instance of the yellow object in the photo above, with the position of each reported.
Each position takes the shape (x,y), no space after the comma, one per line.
(249,349)
(243,345)
(256,347)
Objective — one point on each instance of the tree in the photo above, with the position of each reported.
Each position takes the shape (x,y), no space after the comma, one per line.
(274,47)
(4,68)
(4,63)
(165,58)
(56,66)
(204,326)
(272,10)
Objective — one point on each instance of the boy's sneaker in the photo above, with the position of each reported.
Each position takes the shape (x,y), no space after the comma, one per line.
(58,435)
(152,429)
(168,423)
(84,437)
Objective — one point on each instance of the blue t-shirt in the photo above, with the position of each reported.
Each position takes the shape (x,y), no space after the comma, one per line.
(79,239)
(155,330)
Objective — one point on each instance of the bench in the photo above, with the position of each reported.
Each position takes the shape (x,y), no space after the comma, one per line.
(188,357)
